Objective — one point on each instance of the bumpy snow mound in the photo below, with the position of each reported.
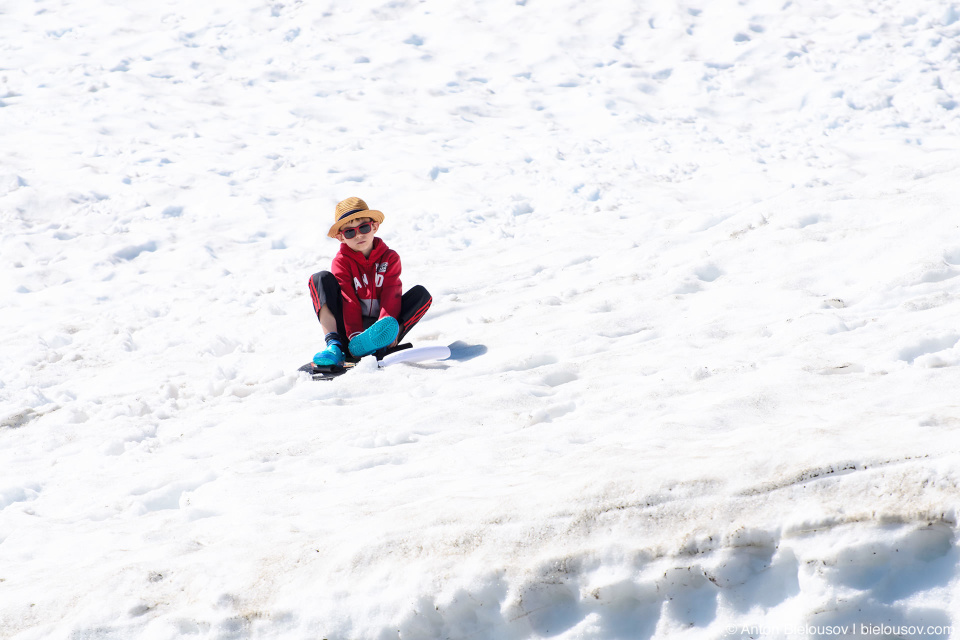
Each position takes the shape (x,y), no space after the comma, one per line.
(822,582)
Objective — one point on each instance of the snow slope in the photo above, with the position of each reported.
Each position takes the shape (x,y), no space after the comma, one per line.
(697,264)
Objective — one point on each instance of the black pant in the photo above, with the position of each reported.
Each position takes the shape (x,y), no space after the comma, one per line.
(325,290)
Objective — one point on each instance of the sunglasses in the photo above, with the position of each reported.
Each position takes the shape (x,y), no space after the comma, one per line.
(351,233)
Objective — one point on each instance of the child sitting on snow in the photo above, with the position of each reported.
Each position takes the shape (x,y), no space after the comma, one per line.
(360,297)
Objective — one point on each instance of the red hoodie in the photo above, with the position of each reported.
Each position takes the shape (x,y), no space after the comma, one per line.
(369,286)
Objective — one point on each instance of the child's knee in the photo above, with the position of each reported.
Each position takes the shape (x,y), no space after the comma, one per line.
(420,292)
(321,277)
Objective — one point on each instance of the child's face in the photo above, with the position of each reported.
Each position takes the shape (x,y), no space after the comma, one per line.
(362,240)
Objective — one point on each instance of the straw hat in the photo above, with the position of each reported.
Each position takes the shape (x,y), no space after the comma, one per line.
(351,209)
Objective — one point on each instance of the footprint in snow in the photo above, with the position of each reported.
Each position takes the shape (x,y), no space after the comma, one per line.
(933,352)
(808,220)
(952,257)
(704,273)
(708,273)
(557,378)
(532,362)
(12,495)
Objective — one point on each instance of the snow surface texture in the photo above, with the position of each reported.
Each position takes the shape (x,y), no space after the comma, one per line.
(697,262)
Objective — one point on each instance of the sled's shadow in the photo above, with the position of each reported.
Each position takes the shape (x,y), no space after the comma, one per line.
(461,351)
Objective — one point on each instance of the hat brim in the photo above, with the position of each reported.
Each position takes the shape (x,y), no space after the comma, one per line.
(377,216)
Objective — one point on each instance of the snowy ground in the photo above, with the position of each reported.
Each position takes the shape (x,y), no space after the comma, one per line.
(698,263)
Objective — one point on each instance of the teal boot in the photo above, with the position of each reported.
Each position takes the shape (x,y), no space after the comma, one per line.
(378,335)
(332,356)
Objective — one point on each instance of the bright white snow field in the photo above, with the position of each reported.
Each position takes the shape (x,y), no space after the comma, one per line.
(699,262)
